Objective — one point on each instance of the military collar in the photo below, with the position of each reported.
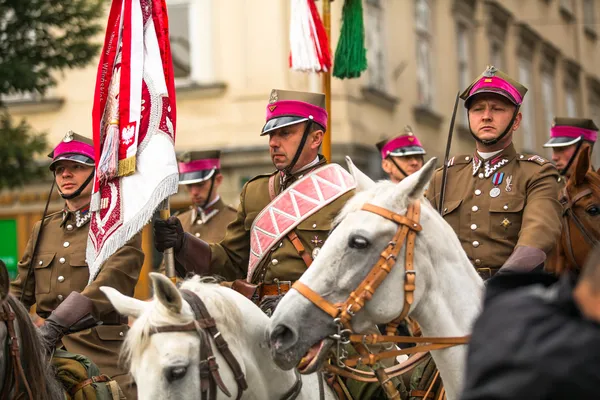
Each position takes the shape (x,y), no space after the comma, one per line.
(203,215)
(81,216)
(494,163)
(285,180)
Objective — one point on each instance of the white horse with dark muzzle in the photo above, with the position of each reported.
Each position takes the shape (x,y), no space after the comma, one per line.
(165,363)
(448,293)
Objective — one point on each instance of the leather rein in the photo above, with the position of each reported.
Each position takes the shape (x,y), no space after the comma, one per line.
(7,316)
(568,212)
(408,227)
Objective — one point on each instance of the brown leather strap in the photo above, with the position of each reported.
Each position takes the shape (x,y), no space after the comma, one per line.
(421,393)
(375,338)
(411,222)
(369,376)
(93,379)
(272,186)
(316,299)
(300,248)
(202,313)
(19,373)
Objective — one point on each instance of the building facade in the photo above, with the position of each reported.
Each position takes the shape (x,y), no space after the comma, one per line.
(228,54)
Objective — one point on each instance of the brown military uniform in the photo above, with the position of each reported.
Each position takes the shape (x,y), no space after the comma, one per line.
(210,224)
(60,268)
(230,257)
(491,219)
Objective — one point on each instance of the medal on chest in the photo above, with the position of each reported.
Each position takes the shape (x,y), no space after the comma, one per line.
(497,179)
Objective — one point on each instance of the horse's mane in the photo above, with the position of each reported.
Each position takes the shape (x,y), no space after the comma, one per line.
(38,370)
(222,309)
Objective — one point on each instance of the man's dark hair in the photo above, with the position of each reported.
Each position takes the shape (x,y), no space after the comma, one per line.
(591,269)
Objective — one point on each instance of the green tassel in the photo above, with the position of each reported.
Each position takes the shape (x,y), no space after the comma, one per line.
(350,54)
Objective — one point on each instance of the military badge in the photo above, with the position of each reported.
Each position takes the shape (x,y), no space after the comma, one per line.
(495,192)
(316,241)
(68,137)
(509,183)
(505,223)
(274,97)
(490,71)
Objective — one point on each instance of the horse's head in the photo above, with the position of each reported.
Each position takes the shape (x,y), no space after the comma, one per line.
(353,248)
(581,202)
(166,364)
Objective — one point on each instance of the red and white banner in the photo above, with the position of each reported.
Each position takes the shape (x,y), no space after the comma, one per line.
(133,125)
(298,202)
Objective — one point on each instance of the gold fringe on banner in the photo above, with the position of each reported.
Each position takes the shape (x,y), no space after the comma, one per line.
(127,166)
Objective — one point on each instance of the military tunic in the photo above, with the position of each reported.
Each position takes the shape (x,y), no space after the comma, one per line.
(495,205)
(208,225)
(60,268)
(230,257)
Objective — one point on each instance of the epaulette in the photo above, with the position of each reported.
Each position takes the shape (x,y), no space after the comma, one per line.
(261,176)
(458,160)
(533,158)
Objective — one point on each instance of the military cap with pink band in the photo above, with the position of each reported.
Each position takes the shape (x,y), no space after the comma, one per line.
(492,80)
(401,146)
(73,147)
(568,131)
(287,107)
(198,166)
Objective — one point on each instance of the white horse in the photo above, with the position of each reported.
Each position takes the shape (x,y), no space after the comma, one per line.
(448,291)
(166,365)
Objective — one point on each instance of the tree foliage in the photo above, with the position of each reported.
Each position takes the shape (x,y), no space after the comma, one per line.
(17,145)
(38,40)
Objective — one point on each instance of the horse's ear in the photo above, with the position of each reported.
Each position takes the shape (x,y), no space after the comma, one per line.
(166,292)
(415,185)
(363,182)
(582,164)
(125,305)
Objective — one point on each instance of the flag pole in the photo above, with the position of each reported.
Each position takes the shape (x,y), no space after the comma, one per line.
(327,82)
(169,257)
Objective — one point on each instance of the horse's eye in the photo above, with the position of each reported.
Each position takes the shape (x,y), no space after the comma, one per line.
(175,373)
(593,210)
(358,242)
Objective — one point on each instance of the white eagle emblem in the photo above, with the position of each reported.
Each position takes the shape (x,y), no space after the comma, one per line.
(127,134)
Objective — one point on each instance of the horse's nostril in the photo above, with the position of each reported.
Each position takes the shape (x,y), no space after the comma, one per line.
(282,338)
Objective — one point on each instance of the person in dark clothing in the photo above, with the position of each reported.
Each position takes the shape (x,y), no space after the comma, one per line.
(537,338)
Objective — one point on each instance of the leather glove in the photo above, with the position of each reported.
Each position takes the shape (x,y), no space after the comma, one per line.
(72,315)
(168,234)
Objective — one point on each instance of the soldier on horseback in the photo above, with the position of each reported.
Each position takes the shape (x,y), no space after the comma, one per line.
(53,273)
(208,216)
(502,205)
(572,141)
(402,155)
(568,137)
(283,217)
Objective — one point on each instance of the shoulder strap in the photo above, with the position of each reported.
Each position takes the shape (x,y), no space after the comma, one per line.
(272,186)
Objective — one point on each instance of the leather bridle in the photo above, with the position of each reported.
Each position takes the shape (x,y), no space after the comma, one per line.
(204,325)
(408,227)
(7,316)
(568,212)
(210,378)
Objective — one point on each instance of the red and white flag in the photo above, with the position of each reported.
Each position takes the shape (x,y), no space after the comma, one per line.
(309,46)
(133,125)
